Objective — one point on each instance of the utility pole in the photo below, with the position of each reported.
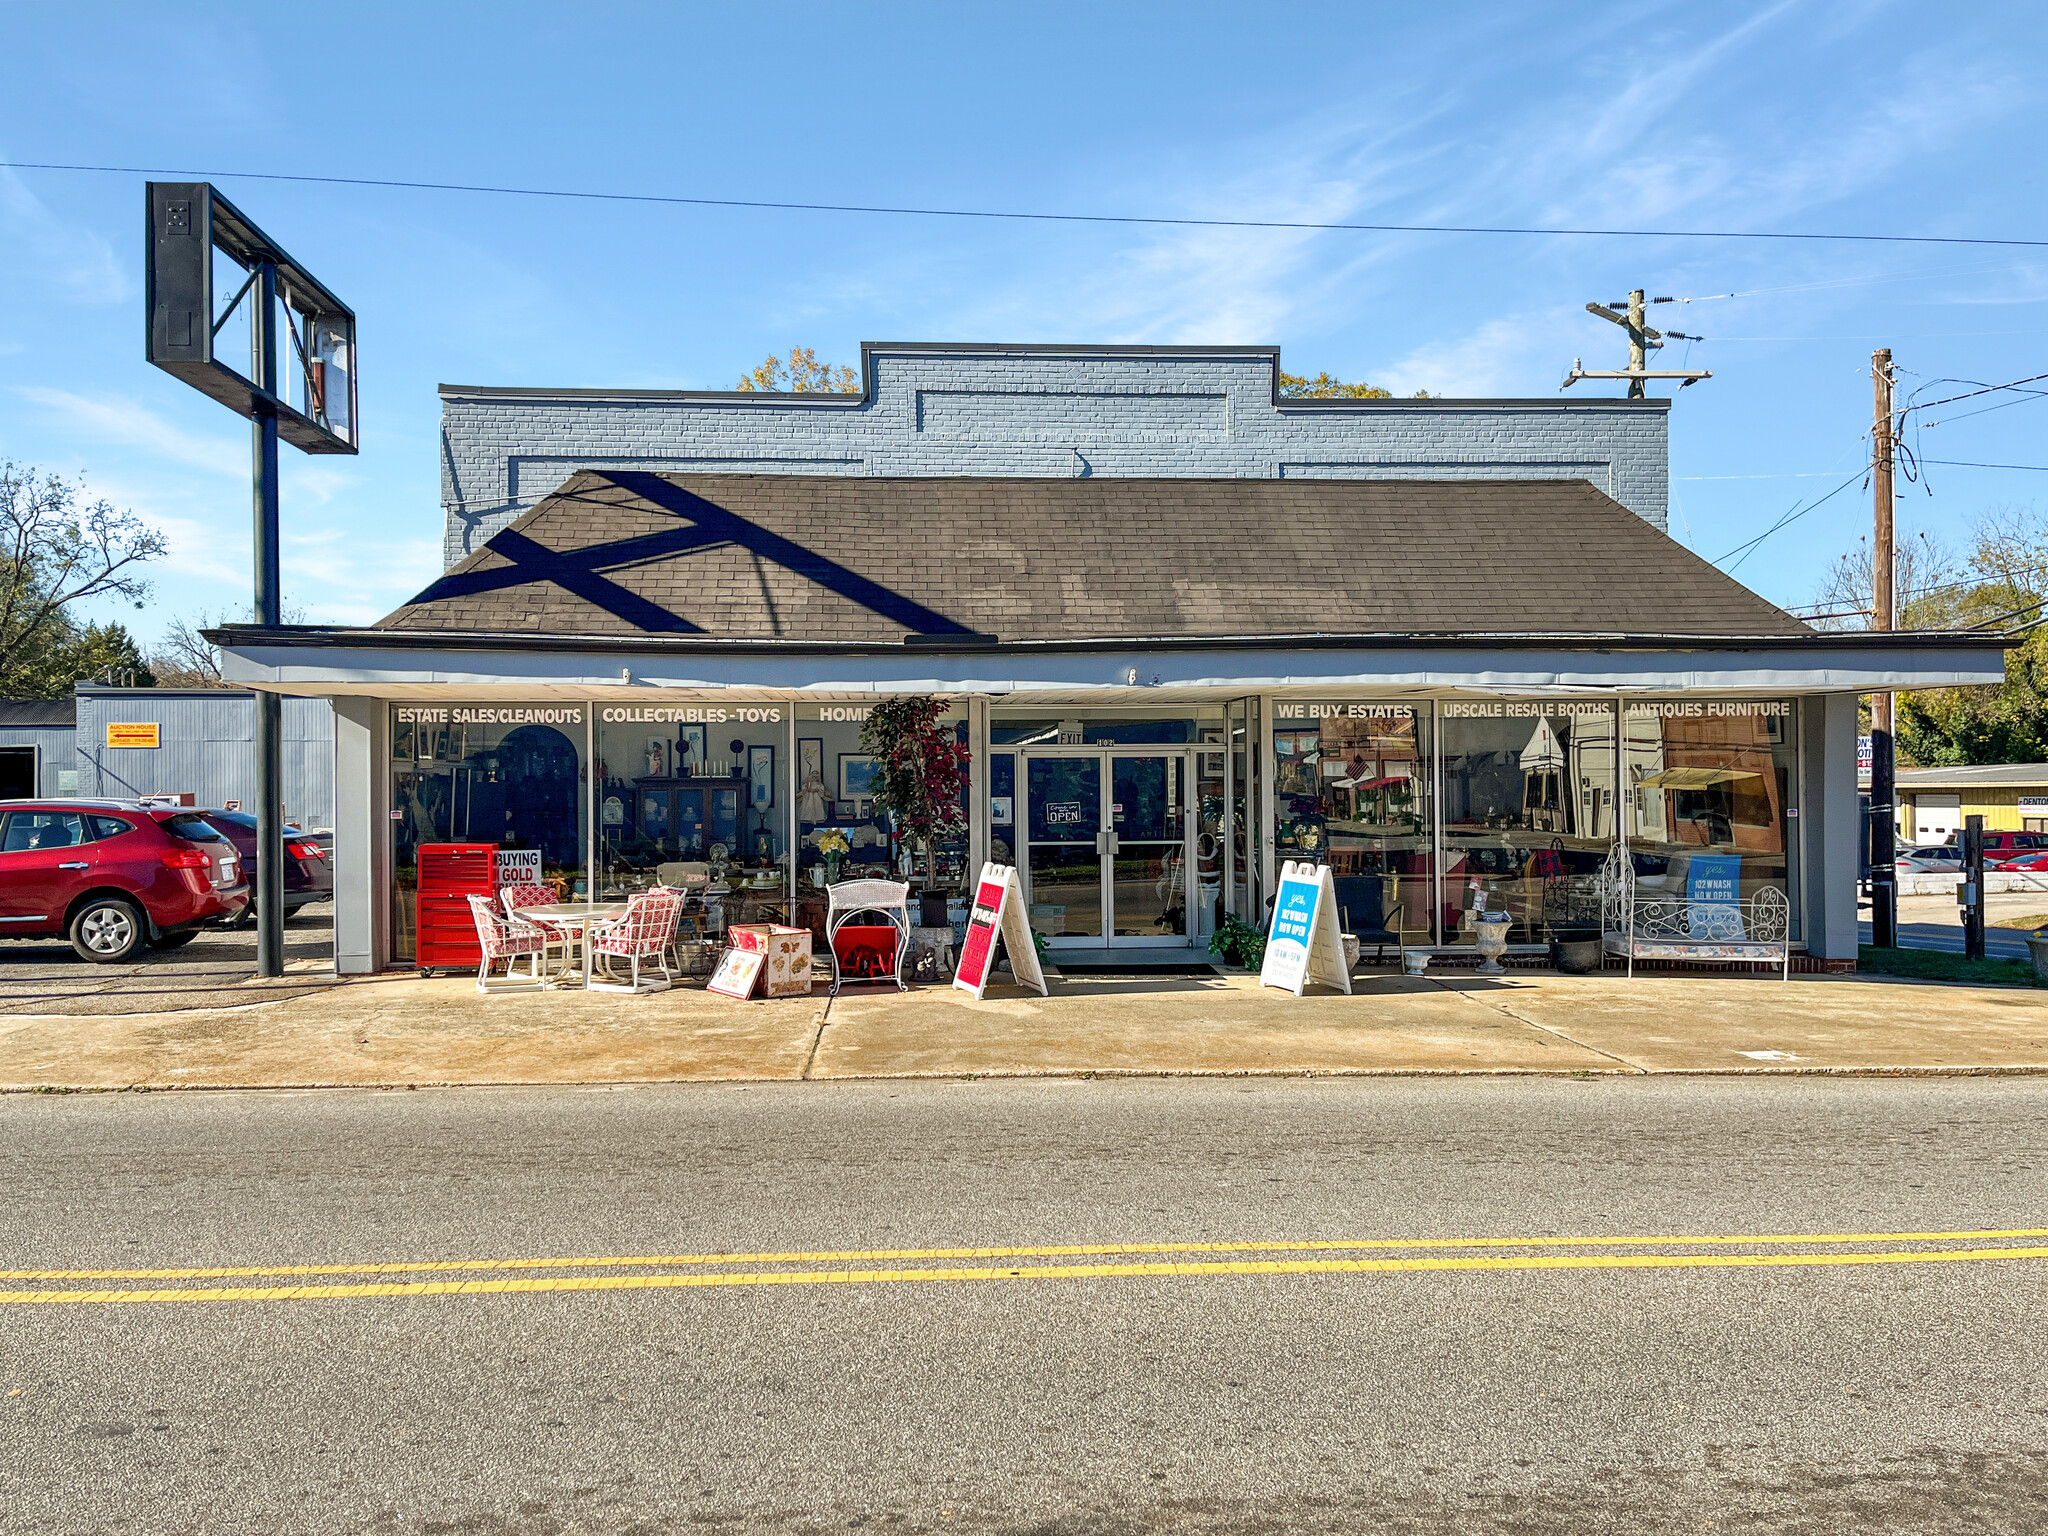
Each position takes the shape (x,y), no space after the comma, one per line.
(1630,314)
(1884,890)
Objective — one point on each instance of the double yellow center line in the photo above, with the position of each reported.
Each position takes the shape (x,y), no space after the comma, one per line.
(1137,1261)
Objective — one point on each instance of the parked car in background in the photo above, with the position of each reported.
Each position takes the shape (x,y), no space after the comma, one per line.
(1941,859)
(2007,844)
(115,877)
(307,874)
(2024,863)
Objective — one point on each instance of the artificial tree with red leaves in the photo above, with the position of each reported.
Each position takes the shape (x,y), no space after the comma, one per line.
(920,773)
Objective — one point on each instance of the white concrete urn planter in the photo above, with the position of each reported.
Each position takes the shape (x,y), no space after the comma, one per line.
(1493,941)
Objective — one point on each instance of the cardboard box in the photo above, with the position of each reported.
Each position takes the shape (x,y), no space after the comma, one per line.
(787,972)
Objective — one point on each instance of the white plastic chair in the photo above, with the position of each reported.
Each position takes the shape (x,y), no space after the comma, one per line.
(887,899)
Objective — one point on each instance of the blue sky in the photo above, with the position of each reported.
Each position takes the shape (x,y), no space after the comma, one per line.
(1874,117)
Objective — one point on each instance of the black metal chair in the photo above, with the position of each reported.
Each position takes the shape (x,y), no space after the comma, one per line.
(1361,899)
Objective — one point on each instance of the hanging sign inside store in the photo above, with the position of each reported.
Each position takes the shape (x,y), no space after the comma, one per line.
(1304,944)
(519,866)
(1713,896)
(139,734)
(998,909)
(1066,813)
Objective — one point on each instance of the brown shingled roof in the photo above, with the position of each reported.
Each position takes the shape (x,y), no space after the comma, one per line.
(843,558)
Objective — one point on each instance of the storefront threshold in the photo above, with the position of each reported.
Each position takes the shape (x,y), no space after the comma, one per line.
(1165,960)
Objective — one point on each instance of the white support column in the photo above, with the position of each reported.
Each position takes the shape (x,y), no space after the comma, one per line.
(1269,802)
(1834,825)
(979,788)
(362,835)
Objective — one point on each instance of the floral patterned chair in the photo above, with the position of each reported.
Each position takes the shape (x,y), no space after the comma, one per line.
(507,939)
(560,940)
(644,931)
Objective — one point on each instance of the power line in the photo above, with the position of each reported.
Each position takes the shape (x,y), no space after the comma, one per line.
(992,213)
(1988,389)
(1967,464)
(1797,512)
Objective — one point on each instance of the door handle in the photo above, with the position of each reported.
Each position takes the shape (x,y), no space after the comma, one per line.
(76,864)
(1101,844)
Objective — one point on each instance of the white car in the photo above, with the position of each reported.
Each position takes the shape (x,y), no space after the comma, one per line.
(1945,859)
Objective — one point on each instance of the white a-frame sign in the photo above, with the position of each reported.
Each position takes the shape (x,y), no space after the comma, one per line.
(1304,943)
(998,908)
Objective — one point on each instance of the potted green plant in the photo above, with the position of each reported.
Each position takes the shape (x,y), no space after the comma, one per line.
(920,780)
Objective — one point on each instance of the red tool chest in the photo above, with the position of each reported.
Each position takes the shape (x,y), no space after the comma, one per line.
(451,873)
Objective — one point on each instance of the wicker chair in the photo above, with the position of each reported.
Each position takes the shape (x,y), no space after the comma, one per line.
(644,931)
(561,940)
(506,939)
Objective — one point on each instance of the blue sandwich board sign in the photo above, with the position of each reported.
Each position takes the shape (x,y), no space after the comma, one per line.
(1303,942)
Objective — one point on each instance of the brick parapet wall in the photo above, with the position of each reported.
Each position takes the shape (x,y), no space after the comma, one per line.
(992,411)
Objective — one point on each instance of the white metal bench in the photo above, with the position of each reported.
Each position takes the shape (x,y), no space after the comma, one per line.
(1656,925)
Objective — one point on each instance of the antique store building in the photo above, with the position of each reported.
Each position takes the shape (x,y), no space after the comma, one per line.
(1187,628)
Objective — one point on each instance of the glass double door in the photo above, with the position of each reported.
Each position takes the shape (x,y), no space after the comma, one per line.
(1106,833)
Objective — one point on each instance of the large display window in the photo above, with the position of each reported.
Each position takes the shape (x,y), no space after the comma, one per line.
(1713,784)
(836,805)
(693,785)
(1528,814)
(508,775)
(1353,788)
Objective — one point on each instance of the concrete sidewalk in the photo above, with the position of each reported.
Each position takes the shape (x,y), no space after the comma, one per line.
(400,1031)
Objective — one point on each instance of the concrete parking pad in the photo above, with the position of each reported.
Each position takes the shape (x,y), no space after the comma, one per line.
(398,1030)
(403,1031)
(1223,1023)
(1757,1024)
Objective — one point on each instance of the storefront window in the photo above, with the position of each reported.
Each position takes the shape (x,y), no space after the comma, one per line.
(1528,797)
(1713,782)
(507,775)
(693,784)
(1352,786)
(836,792)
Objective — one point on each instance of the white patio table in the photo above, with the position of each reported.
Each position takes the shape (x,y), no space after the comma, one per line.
(573,918)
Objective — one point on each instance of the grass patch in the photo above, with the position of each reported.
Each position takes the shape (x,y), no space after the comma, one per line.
(2035,920)
(1934,965)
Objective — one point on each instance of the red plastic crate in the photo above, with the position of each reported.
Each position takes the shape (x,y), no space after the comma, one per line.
(450,873)
(867,952)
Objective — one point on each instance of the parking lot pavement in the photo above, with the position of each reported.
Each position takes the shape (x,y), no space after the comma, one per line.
(215,970)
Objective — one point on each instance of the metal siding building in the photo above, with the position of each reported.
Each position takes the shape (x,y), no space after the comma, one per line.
(207,748)
(48,728)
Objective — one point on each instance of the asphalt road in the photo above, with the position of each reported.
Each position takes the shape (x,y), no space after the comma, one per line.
(1679,1395)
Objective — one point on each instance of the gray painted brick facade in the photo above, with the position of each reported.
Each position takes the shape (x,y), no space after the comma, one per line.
(938,409)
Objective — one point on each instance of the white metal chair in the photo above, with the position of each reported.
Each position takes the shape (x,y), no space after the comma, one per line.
(644,931)
(506,939)
(886,899)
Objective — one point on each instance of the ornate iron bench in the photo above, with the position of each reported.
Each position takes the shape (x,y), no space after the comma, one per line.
(1658,925)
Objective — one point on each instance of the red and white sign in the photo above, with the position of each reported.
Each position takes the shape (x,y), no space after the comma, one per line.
(518,866)
(998,909)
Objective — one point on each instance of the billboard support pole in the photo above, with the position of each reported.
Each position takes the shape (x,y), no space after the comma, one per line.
(269,613)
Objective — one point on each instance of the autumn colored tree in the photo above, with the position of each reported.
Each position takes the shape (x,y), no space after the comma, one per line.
(1323,386)
(801,374)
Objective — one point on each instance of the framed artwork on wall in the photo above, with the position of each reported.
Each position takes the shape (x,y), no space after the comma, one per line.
(856,775)
(690,749)
(760,777)
(813,794)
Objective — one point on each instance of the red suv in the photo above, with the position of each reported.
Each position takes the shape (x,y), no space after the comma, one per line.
(113,876)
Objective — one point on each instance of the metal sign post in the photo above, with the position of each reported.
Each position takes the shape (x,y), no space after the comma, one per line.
(189,225)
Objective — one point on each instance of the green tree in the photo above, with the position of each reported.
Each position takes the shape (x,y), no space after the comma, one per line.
(802,374)
(1294,386)
(58,552)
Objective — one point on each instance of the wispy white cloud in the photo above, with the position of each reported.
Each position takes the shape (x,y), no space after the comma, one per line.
(44,254)
(112,419)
